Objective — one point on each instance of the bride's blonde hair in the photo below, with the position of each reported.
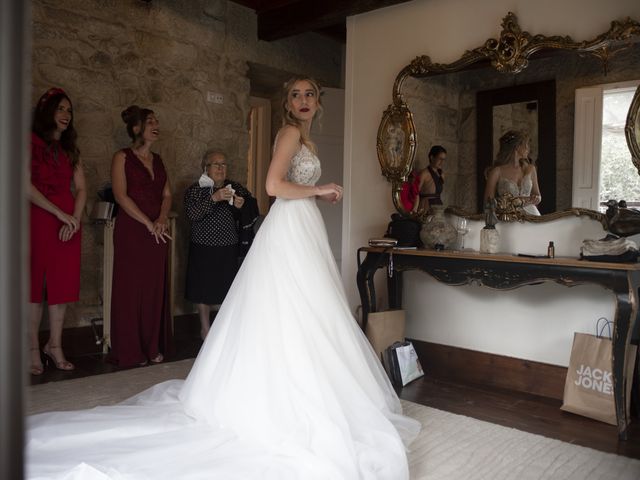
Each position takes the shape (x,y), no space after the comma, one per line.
(509,142)
(289,119)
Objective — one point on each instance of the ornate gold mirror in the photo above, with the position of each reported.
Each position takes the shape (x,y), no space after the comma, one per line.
(632,129)
(423,87)
(396,143)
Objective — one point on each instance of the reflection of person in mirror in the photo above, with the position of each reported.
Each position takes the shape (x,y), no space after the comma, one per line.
(431,180)
(395,143)
(513,172)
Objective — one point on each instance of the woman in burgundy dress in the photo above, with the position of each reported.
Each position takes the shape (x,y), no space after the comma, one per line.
(55,222)
(140,322)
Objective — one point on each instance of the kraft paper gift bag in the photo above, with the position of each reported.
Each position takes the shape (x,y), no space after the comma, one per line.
(384,329)
(588,389)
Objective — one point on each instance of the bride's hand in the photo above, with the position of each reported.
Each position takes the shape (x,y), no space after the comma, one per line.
(531,200)
(535,199)
(331,192)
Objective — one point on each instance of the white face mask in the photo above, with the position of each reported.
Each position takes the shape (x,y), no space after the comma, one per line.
(205,181)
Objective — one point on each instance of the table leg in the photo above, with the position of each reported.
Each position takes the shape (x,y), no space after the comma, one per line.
(364,278)
(394,289)
(626,311)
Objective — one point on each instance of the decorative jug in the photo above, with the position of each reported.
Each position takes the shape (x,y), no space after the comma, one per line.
(489,239)
(436,232)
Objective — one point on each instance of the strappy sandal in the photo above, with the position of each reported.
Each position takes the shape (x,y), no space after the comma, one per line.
(158,358)
(64,365)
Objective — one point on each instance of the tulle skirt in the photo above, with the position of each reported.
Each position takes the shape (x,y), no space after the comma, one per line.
(286,386)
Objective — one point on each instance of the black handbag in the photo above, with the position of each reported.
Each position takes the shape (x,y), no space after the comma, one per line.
(405,230)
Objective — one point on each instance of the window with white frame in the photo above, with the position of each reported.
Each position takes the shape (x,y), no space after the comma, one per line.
(602,166)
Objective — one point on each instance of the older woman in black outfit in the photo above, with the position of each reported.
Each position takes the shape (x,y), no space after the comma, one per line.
(214,206)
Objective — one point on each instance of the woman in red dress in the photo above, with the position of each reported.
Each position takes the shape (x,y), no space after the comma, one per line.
(55,222)
(140,322)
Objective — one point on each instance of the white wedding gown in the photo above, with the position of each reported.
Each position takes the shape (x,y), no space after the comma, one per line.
(285,387)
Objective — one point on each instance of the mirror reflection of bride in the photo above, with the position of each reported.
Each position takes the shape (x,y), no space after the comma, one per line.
(514,173)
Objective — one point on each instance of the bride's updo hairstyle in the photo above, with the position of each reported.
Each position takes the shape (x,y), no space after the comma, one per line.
(134,116)
(289,119)
(509,143)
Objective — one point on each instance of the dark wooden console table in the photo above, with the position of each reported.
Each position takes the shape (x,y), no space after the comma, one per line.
(502,271)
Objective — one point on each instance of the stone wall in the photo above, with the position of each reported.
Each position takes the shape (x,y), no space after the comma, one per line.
(444,109)
(165,55)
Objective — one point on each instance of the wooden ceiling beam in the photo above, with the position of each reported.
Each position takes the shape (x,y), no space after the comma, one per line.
(306,15)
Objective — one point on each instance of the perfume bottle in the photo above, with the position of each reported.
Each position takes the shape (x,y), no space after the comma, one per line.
(551,250)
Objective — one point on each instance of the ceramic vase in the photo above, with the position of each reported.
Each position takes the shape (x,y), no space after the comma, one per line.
(437,232)
(489,240)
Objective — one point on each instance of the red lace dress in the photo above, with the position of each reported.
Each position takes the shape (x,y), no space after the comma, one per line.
(140,322)
(55,265)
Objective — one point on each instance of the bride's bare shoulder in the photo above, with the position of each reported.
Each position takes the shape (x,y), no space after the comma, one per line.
(288,134)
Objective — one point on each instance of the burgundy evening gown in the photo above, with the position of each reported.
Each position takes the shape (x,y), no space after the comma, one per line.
(54,263)
(140,321)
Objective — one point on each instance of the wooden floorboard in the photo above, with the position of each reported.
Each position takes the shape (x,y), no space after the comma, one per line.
(526,412)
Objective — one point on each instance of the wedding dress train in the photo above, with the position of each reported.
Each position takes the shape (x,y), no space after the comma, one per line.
(286,385)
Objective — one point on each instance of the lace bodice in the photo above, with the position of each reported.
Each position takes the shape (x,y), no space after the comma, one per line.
(507,185)
(305,167)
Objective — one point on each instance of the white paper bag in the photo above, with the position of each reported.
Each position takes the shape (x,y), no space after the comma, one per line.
(403,363)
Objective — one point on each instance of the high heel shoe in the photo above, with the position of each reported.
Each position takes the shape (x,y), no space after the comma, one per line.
(36,369)
(158,358)
(65,364)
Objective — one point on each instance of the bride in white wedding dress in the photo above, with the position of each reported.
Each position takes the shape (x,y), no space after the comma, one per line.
(286,385)
(512,172)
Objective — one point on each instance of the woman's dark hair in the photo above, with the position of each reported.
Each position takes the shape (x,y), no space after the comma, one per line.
(44,123)
(135,116)
(436,150)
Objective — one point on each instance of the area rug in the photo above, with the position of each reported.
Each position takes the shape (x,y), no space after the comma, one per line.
(450,447)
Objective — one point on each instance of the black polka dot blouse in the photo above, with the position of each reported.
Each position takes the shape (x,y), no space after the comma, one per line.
(213,223)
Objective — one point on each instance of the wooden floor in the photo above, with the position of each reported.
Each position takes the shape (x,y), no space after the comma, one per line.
(525,412)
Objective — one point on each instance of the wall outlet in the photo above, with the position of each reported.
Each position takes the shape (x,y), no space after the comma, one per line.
(213,97)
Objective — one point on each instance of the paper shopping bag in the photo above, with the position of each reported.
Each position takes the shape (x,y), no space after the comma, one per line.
(402,363)
(385,328)
(588,389)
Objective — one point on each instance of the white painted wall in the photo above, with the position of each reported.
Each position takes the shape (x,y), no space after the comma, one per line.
(535,323)
(328,134)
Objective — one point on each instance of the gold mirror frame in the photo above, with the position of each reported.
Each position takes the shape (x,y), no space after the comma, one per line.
(396,132)
(632,129)
(507,54)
